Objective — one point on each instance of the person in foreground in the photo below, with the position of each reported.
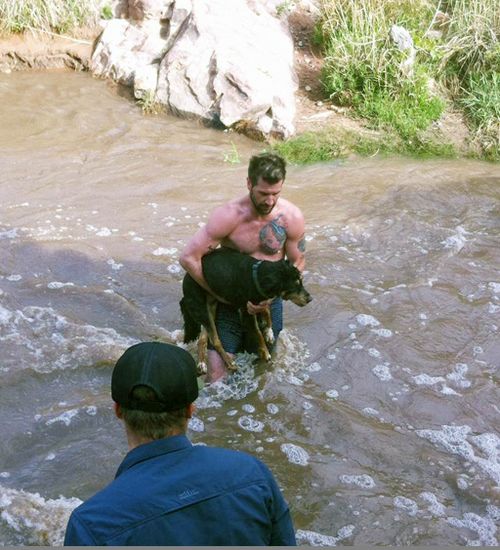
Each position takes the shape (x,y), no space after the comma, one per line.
(261,224)
(167,491)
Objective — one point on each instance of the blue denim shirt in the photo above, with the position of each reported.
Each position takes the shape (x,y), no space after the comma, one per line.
(172,493)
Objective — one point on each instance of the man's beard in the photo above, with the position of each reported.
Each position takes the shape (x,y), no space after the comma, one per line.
(261,208)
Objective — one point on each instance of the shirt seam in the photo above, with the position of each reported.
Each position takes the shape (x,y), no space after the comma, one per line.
(156,516)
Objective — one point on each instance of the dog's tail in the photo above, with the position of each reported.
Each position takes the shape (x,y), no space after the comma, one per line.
(192,328)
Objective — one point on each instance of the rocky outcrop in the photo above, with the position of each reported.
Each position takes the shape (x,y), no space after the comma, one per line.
(227,62)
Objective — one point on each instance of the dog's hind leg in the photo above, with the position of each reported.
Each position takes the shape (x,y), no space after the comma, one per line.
(202,353)
(263,350)
(214,337)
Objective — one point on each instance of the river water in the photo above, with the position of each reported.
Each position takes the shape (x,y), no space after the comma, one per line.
(379,415)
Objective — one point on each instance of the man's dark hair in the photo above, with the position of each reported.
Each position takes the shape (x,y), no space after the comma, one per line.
(268,166)
(153,425)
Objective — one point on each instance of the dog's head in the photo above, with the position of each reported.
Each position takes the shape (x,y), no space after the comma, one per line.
(293,289)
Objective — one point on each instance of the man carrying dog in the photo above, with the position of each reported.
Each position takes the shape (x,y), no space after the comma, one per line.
(261,224)
(168,492)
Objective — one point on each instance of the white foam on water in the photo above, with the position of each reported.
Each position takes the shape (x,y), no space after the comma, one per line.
(248,408)
(406,504)
(53,285)
(435,507)
(314,367)
(175,269)
(426,380)
(5,315)
(458,375)
(332,394)
(35,330)
(40,522)
(383,332)
(362,480)
(105,232)
(368,411)
(236,386)
(312,538)
(66,417)
(374,353)
(196,424)
(493,308)
(295,454)
(116,266)
(272,408)
(250,424)
(165,251)
(383,372)
(494,287)
(14,278)
(9,233)
(367,320)
(484,527)
(454,440)
(456,241)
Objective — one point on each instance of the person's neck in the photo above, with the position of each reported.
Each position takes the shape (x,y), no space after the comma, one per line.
(135,440)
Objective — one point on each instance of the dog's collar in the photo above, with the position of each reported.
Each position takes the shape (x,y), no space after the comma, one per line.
(256,280)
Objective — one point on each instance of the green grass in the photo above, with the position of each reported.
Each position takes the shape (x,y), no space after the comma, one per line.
(330,145)
(366,72)
(60,16)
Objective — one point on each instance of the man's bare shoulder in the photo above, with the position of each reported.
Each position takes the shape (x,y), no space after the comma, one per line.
(234,208)
(290,210)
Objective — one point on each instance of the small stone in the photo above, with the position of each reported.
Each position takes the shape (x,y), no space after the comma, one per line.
(319,103)
(308,88)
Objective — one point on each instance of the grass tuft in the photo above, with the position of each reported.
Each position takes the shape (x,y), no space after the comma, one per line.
(60,16)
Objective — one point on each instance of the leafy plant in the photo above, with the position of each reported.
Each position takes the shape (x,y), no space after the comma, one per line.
(233,157)
(106,12)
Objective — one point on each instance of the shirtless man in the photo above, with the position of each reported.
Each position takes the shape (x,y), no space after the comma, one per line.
(261,224)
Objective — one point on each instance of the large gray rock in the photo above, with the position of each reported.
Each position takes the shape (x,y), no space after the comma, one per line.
(229,62)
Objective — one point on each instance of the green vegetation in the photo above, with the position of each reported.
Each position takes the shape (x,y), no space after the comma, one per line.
(57,16)
(233,157)
(106,12)
(147,102)
(328,145)
(401,92)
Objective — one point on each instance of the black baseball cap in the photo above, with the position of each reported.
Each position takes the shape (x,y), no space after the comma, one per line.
(167,369)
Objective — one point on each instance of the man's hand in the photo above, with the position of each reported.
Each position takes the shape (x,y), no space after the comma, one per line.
(253,309)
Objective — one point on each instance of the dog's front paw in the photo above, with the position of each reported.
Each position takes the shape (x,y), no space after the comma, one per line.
(269,336)
(264,355)
(201,368)
(232,366)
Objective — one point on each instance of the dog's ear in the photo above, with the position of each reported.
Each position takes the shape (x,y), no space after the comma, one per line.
(289,267)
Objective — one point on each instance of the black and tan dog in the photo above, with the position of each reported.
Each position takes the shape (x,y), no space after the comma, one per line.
(237,278)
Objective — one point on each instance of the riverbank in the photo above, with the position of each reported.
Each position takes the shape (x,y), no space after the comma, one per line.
(324,130)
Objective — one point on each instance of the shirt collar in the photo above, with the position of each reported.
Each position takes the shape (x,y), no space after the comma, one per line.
(152,450)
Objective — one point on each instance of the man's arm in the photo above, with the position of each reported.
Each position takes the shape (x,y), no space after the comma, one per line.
(77,533)
(219,225)
(295,245)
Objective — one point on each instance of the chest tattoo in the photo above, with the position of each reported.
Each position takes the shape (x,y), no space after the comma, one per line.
(272,236)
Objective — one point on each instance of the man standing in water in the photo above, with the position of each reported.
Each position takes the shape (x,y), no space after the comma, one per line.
(261,224)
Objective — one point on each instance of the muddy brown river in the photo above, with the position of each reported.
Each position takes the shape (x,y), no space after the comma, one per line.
(379,415)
